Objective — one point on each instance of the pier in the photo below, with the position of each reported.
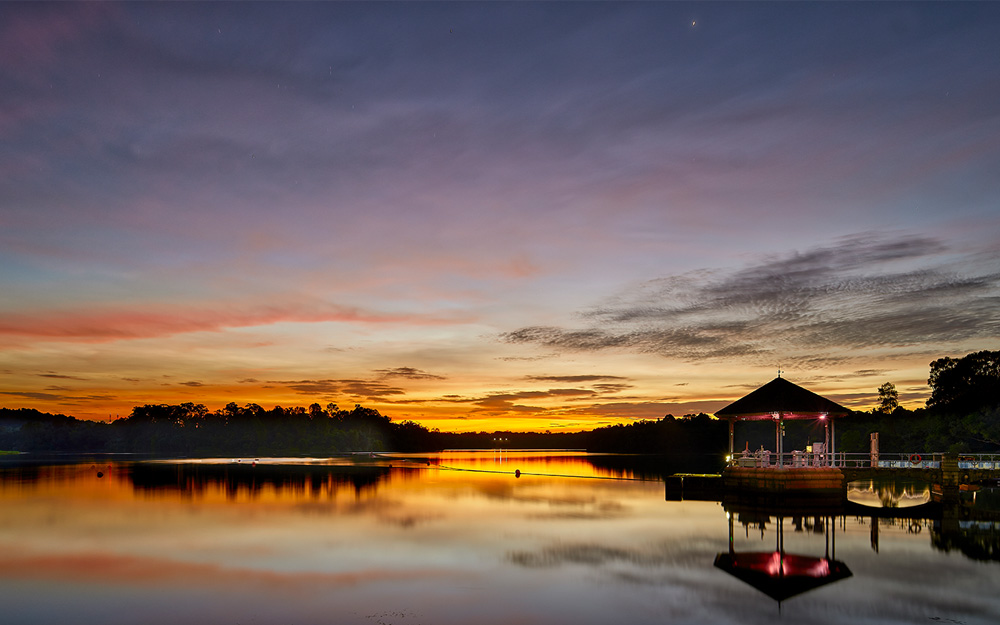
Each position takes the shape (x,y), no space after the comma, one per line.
(819,471)
(828,474)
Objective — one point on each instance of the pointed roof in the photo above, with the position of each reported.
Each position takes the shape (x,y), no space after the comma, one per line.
(780,395)
(782,575)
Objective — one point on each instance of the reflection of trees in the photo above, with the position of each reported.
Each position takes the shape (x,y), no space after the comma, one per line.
(979,541)
(971,526)
(312,481)
(20,474)
(889,493)
(972,530)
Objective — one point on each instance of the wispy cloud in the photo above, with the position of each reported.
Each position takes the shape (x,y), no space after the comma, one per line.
(60,376)
(617,411)
(33,395)
(89,325)
(574,379)
(408,373)
(360,389)
(58,397)
(368,389)
(860,292)
(522,401)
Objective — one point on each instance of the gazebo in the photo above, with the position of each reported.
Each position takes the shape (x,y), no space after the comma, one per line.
(779,400)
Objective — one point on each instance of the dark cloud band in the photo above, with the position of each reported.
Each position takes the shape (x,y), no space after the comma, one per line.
(859,293)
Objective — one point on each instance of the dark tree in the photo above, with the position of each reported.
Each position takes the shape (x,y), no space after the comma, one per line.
(888,398)
(966,384)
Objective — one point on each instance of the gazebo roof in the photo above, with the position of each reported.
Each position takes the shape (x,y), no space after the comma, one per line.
(779,575)
(781,396)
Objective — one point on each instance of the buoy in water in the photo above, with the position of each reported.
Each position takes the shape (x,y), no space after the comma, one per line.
(517,472)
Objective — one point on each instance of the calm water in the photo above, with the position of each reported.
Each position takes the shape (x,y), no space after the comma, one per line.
(456,538)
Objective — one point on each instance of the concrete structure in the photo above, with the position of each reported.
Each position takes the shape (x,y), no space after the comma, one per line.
(785,481)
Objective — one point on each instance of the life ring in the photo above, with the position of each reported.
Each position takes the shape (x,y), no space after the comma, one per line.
(915,459)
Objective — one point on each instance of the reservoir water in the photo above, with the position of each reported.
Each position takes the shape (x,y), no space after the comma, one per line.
(460,538)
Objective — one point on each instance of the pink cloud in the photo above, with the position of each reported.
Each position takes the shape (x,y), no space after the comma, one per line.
(137,570)
(35,36)
(103,325)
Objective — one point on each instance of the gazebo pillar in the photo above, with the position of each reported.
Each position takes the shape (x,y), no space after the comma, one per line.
(731,423)
(833,443)
(778,427)
(826,444)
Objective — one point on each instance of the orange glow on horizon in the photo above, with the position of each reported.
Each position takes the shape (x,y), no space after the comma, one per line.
(444,411)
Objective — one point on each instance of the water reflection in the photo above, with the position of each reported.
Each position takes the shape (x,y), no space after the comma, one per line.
(778,573)
(970,525)
(889,493)
(456,538)
(236,481)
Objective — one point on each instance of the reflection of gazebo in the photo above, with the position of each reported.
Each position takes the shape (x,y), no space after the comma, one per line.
(779,400)
(781,575)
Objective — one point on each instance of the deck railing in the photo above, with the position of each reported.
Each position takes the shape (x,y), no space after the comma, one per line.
(979,461)
(911,460)
(801,459)
(765,458)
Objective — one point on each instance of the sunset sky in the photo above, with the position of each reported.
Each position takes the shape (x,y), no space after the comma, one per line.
(490,216)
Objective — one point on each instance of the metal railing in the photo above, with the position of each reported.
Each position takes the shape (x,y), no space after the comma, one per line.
(792,459)
(801,459)
(979,461)
(882,460)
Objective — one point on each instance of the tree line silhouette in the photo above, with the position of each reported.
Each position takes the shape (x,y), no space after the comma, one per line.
(191,429)
(962,415)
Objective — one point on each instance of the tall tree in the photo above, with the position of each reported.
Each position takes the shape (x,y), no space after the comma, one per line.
(888,398)
(965,384)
